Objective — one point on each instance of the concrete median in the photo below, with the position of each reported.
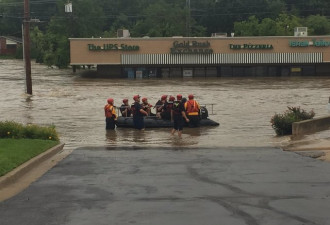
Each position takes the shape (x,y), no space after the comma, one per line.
(311,126)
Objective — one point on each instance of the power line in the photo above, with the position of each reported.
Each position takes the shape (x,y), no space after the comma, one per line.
(48,17)
(39,13)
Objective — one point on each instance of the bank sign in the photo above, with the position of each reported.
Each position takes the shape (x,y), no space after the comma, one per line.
(191,47)
(305,43)
(113,47)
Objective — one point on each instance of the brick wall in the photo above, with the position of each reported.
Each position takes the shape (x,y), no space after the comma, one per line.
(3,46)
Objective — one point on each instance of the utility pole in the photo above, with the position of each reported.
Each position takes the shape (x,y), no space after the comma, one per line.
(26,43)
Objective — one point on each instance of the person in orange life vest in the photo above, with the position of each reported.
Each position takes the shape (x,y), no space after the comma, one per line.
(138,113)
(166,112)
(178,114)
(192,111)
(160,105)
(147,107)
(110,115)
(125,109)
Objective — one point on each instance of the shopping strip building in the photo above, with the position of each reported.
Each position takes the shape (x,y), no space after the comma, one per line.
(203,57)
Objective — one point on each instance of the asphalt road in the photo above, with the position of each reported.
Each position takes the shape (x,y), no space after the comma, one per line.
(229,186)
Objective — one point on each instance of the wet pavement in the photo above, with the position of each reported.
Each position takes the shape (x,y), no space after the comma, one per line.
(136,185)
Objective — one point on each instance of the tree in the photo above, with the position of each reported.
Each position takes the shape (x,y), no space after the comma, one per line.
(318,25)
(286,23)
(281,26)
(161,18)
(308,7)
(54,47)
(11,19)
(247,28)
(164,20)
(267,27)
(220,15)
(122,22)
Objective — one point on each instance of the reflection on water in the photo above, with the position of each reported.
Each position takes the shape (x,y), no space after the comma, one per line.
(74,104)
(111,136)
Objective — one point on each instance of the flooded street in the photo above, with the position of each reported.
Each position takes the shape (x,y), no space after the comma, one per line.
(74,104)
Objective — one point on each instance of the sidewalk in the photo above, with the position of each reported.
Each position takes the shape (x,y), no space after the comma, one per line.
(183,186)
(316,145)
(22,176)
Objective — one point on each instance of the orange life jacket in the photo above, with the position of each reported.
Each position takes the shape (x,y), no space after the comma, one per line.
(192,107)
(108,110)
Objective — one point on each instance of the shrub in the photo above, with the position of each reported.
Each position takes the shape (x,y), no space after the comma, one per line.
(10,129)
(282,123)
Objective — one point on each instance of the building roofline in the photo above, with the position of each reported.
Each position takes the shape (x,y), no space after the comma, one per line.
(14,39)
(208,38)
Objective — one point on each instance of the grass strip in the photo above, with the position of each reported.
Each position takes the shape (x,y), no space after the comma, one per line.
(14,152)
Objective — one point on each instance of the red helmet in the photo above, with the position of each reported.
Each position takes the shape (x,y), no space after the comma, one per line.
(172,98)
(144,99)
(164,97)
(136,97)
(125,100)
(191,96)
(179,97)
(110,100)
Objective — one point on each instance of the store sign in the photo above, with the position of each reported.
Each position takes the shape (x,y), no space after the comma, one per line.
(251,46)
(298,43)
(305,43)
(113,47)
(191,47)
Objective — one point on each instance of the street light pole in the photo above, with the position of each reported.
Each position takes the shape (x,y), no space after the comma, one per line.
(26,43)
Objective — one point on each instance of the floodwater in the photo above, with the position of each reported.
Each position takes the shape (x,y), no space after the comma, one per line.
(74,104)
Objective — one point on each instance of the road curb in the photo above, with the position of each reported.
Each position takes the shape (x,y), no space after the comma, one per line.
(301,149)
(312,154)
(21,170)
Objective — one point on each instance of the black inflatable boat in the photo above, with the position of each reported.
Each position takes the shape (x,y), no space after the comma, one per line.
(154,122)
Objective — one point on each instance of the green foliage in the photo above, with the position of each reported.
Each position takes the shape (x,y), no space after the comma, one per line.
(11,129)
(6,57)
(282,123)
(247,28)
(14,152)
(19,52)
(268,27)
(283,25)
(286,23)
(317,25)
(122,22)
(161,18)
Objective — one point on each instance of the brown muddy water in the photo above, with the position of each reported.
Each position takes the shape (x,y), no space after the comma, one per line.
(74,104)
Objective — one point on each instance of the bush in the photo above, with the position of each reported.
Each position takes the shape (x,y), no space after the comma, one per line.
(10,129)
(282,123)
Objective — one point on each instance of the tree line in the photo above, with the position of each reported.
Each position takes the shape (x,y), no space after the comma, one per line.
(157,18)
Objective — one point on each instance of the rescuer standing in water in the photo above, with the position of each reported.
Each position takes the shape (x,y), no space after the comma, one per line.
(110,115)
(192,110)
(178,114)
(138,113)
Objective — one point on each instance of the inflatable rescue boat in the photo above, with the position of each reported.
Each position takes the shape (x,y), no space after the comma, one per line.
(154,122)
